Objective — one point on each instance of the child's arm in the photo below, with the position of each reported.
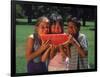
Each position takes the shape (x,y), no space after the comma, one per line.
(62,50)
(66,46)
(46,54)
(67,50)
(82,52)
(32,54)
(53,51)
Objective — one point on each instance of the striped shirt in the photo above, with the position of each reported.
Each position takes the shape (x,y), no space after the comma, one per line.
(76,62)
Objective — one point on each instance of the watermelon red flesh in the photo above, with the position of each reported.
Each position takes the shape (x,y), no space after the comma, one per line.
(55,39)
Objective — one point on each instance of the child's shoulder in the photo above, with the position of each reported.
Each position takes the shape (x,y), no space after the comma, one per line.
(31,36)
(82,36)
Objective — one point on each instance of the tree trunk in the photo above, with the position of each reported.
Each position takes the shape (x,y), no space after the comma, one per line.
(84,22)
(29,19)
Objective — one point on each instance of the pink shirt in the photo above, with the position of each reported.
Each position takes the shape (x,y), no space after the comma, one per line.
(57,61)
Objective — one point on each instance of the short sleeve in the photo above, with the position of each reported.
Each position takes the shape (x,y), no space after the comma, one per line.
(31,36)
(83,41)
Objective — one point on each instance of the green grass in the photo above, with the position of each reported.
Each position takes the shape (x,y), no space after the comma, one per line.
(91,43)
(22,32)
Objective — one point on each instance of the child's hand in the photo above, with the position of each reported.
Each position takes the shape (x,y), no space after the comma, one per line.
(66,50)
(69,41)
(73,41)
(53,47)
(45,45)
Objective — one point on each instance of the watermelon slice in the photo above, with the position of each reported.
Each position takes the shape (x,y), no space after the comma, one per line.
(55,39)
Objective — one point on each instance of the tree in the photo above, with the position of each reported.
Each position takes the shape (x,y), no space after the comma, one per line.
(28,12)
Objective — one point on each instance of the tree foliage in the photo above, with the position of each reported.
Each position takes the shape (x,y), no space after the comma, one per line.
(33,11)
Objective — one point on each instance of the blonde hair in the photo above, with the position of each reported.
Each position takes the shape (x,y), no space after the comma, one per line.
(42,19)
(39,20)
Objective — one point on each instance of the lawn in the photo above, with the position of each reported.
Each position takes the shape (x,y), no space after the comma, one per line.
(23,31)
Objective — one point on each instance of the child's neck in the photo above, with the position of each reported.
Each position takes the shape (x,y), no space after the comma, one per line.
(76,36)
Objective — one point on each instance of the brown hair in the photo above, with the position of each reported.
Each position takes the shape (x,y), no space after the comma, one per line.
(54,18)
(75,21)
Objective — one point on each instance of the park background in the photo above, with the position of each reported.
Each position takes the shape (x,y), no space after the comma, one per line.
(26,15)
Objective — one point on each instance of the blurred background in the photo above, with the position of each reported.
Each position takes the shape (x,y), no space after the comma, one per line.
(27,14)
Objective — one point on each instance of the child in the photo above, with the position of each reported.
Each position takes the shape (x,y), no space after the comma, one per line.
(35,48)
(57,54)
(78,46)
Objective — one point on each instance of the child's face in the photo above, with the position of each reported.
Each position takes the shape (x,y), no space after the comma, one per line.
(56,28)
(43,28)
(72,29)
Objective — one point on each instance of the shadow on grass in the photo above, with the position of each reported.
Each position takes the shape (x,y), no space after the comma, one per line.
(24,23)
(85,26)
(92,29)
